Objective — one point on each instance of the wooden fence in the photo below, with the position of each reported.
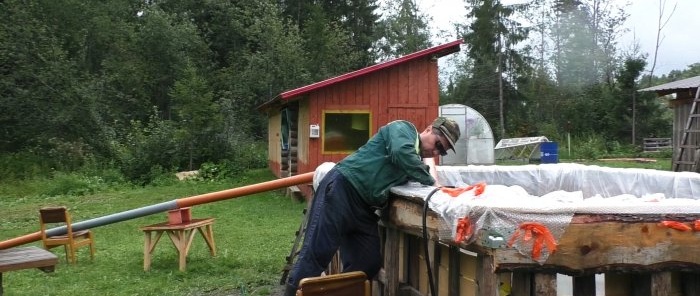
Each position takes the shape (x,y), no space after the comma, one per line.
(657,144)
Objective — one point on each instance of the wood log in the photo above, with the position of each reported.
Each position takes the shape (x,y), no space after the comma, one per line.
(591,243)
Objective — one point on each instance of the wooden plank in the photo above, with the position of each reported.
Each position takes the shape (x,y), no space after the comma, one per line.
(435,260)
(414,263)
(592,245)
(545,284)
(487,279)
(521,284)
(383,99)
(454,269)
(468,284)
(26,257)
(402,75)
(391,260)
(661,284)
(433,89)
(413,82)
(619,284)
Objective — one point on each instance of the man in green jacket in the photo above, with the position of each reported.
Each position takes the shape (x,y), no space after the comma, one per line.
(343,209)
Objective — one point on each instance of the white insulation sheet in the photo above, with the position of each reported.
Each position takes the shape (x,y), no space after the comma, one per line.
(589,189)
(550,194)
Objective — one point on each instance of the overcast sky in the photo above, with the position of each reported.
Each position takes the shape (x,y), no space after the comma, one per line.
(679,47)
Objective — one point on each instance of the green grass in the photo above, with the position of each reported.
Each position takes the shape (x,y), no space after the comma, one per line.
(662,164)
(253,235)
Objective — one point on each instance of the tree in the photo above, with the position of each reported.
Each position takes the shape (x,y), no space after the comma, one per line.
(661,23)
(404,30)
(355,21)
(584,34)
(329,48)
(657,118)
(491,39)
(47,101)
(197,115)
(627,79)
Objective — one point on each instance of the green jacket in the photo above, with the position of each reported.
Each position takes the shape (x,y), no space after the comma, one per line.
(391,157)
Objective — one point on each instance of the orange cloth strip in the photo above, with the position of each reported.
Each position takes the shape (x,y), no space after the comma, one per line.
(542,238)
(454,192)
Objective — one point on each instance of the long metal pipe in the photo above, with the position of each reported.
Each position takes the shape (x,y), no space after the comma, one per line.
(165,206)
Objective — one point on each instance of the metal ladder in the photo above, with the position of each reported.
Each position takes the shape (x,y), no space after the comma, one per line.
(679,164)
(295,248)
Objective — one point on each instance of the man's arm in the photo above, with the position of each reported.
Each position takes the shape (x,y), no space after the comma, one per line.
(400,139)
(430,162)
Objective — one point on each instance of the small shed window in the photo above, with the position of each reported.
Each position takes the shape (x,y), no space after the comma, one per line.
(345,131)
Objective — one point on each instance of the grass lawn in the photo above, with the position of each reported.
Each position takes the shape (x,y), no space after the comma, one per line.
(253,235)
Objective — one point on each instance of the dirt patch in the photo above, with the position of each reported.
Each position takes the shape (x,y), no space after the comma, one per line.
(641,160)
(277,290)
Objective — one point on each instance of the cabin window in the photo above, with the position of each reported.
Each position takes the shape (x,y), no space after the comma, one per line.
(345,131)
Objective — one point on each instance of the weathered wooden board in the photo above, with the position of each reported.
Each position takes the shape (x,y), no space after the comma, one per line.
(591,243)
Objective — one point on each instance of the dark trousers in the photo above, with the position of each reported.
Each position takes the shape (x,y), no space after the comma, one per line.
(339,219)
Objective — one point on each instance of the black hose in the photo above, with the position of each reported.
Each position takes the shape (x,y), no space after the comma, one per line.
(431,281)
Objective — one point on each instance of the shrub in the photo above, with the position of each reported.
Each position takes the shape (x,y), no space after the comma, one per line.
(23,165)
(615,149)
(72,184)
(591,147)
(147,151)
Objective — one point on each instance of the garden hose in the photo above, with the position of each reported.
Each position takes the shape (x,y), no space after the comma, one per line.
(431,281)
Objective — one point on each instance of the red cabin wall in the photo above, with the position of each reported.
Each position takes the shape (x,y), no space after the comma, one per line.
(407,91)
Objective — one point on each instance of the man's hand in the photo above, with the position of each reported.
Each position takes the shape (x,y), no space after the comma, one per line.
(430,162)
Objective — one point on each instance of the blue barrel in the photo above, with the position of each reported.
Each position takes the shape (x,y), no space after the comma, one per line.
(549,152)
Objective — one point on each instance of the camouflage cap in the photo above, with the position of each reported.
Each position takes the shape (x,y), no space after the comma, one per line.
(449,128)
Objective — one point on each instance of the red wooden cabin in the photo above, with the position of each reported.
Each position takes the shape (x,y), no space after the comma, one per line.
(327,120)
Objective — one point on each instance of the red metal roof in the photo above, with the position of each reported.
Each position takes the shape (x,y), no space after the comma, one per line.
(438,51)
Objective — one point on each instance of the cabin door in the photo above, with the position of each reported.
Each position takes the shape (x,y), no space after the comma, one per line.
(289,139)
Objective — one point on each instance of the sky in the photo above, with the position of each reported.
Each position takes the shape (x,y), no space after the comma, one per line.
(679,47)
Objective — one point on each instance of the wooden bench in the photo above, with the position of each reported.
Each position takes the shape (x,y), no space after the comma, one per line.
(26,257)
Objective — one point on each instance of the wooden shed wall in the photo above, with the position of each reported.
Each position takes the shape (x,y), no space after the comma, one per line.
(681,109)
(303,123)
(274,146)
(407,91)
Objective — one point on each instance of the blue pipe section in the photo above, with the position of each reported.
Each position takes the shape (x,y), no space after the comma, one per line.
(117,217)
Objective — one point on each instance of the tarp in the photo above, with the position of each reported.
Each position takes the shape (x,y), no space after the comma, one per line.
(548,195)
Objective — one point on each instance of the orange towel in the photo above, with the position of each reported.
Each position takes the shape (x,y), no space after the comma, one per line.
(542,236)
(454,192)
(465,229)
(676,225)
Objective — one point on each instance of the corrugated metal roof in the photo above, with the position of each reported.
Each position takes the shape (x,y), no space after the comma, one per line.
(692,82)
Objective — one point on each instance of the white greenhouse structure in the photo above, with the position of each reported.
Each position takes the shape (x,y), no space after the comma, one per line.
(475,146)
